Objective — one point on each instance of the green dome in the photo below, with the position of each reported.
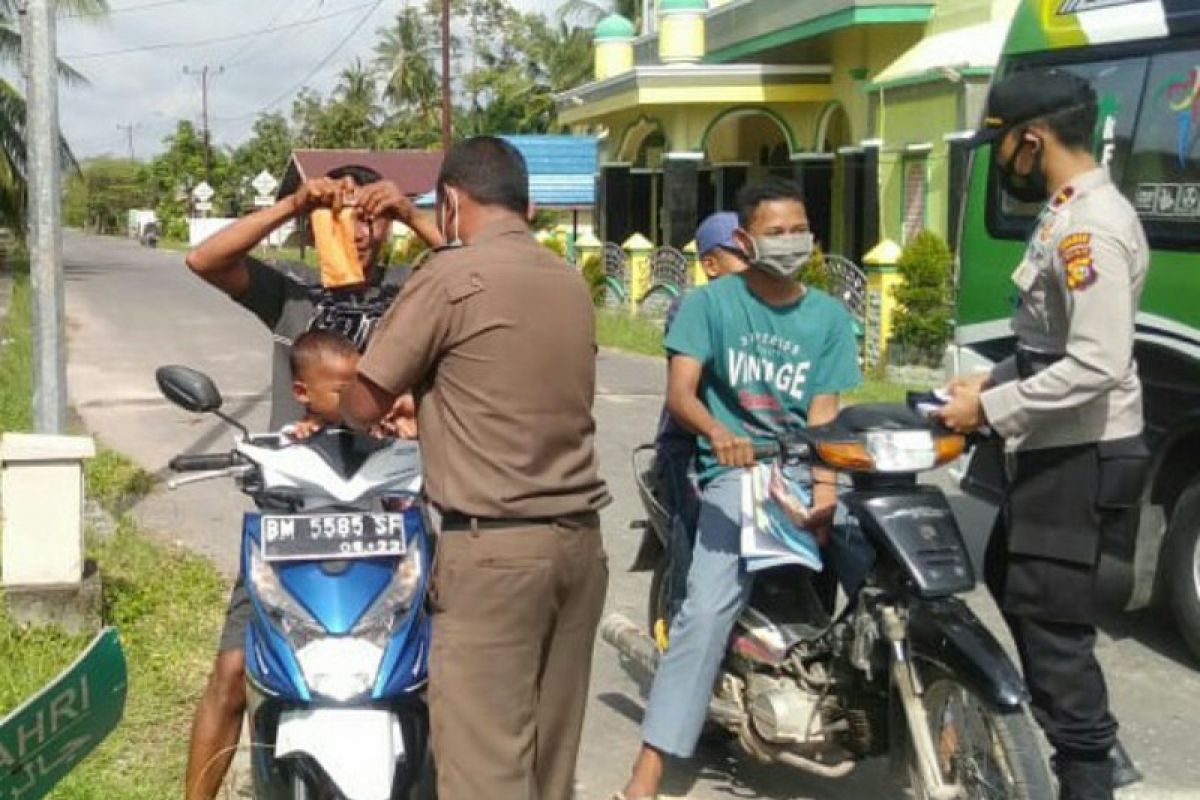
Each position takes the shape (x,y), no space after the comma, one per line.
(683,5)
(615,26)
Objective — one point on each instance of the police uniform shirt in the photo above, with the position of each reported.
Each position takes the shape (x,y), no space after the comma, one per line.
(497,340)
(1079,285)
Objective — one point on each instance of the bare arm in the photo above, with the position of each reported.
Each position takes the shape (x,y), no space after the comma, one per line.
(682,383)
(364,404)
(823,408)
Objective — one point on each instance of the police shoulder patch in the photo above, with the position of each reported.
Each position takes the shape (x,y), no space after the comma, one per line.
(1079,267)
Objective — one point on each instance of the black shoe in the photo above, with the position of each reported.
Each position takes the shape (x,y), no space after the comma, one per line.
(1084,780)
(1125,772)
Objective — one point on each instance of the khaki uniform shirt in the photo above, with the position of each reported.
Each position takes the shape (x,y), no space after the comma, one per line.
(1080,283)
(497,340)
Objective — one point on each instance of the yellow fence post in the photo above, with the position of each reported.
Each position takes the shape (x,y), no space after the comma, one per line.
(639,249)
(699,278)
(882,279)
(587,245)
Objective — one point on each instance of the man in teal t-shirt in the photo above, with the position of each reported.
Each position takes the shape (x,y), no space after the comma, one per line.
(752,355)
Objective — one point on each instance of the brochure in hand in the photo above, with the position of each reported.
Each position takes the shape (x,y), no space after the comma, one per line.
(770,537)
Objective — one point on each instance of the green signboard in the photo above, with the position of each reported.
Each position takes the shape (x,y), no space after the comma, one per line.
(51,732)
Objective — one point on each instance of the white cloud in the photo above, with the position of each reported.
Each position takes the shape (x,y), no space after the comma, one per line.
(149,89)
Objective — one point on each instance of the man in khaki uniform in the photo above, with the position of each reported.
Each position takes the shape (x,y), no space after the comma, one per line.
(495,335)
(1069,404)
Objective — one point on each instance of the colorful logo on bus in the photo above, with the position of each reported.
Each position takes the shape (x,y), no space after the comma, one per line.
(1182,95)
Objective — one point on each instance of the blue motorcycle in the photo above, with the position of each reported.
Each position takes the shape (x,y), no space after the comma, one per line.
(336,561)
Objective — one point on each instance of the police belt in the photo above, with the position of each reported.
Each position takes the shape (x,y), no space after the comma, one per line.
(1031,362)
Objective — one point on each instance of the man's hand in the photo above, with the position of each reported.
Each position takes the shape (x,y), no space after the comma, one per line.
(323,193)
(384,199)
(401,420)
(730,450)
(964,412)
(976,382)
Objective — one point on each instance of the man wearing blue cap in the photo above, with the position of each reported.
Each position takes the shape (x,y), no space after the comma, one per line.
(675,446)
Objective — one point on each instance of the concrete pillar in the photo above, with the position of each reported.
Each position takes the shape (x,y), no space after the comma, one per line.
(613,202)
(681,187)
(613,40)
(42,482)
(681,31)
(639,249)
(882,279)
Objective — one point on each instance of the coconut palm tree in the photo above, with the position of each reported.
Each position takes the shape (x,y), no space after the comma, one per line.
(12,108)
(587,13)
(403,58)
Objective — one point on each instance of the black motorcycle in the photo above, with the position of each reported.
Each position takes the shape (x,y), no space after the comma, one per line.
(906,669)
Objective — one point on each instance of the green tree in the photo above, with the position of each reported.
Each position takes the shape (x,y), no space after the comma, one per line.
(403,59)
(100,195)
(12,108)
(170,177)
(588,12)
(268,148)
(922,326)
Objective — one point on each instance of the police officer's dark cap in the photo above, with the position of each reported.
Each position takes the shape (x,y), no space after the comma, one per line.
(1027,95)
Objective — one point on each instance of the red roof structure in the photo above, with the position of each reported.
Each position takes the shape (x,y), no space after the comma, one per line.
(413,171)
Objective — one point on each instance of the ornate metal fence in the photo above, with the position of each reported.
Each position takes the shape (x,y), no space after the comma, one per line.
(670,272)
(616,275)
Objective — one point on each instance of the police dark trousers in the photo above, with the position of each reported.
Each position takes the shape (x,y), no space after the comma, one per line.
(1040,567)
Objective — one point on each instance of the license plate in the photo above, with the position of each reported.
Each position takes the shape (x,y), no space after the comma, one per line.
(319,537)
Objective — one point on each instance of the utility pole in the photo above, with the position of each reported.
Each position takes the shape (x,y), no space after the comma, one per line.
(129,129)
(45,233)
(446,117)
(204,72)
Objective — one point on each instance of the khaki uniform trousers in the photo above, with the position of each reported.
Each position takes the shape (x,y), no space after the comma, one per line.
(514,624)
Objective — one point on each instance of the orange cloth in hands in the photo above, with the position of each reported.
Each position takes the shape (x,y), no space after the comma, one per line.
(335,248)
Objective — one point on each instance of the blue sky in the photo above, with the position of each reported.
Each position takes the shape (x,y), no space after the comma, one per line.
(150,90)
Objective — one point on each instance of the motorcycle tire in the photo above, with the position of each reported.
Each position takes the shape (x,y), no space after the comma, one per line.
(1181,562)
(1009,766)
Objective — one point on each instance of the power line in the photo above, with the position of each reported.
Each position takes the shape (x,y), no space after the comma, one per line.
(111,11)
(204,72)
(230,38)
(320,66)
(243,53)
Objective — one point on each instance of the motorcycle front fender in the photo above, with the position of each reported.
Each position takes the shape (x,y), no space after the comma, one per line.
(947,636)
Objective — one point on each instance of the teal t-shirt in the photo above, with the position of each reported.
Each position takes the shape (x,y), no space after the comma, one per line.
(762,363)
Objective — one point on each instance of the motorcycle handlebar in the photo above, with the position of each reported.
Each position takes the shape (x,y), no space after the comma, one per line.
(764,452)
(204,462)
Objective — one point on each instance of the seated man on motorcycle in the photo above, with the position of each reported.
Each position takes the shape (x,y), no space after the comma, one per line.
(289,305)
(752,356)
(675,445)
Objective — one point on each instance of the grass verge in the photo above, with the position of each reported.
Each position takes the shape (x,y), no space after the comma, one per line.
(633,334)
(166,604)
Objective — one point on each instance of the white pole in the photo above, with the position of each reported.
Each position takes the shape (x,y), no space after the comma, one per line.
(45,233)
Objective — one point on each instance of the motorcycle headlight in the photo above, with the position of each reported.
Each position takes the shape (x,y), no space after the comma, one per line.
(892,451)
(288,615)
(340,667)
(379,621)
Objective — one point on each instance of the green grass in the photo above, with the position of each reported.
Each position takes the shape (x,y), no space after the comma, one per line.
(624,331)
(167,605)
(633,334)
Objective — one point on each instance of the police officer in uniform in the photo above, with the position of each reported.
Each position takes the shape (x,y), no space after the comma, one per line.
(1068,404)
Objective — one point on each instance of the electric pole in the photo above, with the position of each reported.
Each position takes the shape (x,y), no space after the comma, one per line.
(204,72)
(446,107)
(45,234)
(129,129)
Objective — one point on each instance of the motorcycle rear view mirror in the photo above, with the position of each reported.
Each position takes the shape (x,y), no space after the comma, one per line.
(189,389)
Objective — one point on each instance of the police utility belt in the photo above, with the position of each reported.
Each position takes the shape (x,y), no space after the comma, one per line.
(1123,462)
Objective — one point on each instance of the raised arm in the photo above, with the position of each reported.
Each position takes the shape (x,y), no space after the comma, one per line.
(221,258)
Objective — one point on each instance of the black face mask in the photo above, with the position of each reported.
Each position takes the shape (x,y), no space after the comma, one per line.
(1031,188)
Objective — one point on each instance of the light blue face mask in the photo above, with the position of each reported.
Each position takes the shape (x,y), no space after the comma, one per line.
(783,255)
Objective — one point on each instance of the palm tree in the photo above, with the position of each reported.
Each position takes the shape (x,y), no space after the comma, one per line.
(12,108)
(403,59)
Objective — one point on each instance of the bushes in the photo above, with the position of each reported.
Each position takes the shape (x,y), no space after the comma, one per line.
(593,272)
(815,273)
(923,326)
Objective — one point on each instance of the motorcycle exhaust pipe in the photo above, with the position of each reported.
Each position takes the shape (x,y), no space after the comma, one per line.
(640,656)
(638,649)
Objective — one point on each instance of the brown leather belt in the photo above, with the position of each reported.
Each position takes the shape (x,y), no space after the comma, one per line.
(453,520)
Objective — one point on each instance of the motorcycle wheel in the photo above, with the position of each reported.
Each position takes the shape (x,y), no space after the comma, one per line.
(992,753)
(1181,563)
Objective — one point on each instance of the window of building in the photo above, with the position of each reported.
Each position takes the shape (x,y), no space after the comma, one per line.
(916,196)
(1162,176)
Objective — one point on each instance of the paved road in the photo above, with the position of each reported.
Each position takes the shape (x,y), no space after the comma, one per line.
(131,309)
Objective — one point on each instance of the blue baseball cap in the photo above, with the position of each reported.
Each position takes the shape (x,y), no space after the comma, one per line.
(716,231)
